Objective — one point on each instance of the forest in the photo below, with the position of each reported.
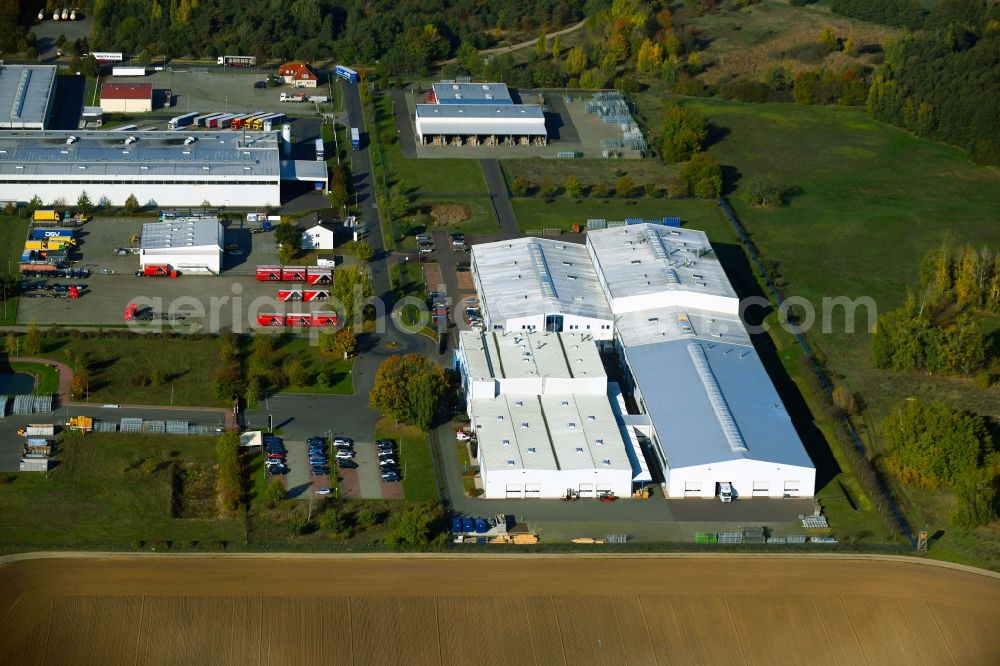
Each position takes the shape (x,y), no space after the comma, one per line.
(409,33)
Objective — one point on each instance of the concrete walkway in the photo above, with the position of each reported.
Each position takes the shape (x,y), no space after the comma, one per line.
(502,208)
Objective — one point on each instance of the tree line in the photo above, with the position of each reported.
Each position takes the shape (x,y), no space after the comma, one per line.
(409,34)
(938,329)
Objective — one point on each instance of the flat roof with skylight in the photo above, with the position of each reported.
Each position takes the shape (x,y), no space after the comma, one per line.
(493,355)
(26,95)
(181,233)
(650,259)
(447,92)
(526,276)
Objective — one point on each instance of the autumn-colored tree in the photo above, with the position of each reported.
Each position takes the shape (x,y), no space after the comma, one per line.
(845,400)
(540,46)
(625,187)
(296,372)
(968,288)
(352,286)
(407,388)
(828,38)
(576,61)
(33,340)
(617,48)
(131,204)
(650,57)
(340,344)
(556,48)
(573,188)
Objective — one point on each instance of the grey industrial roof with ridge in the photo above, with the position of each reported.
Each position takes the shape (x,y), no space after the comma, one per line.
(181,233)
(151,154)
(25,94)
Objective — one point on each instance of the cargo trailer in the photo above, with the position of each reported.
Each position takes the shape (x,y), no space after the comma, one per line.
(270,320)
(315,295)
(355,139)
(237,61)
(273,120)
(182,121)
(290,295)
(319,150)
(319,275)
(269,273)
(293,273)
(298,320)
(347,74)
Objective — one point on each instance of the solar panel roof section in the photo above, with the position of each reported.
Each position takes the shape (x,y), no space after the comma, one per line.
(515,284)
(152,154)
(25,94)
(689,424)
(647,258)
(472,93)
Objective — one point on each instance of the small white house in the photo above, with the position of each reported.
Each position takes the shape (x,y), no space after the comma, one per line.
(319,237)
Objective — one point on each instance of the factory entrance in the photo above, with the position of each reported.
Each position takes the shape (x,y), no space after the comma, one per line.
(553,323)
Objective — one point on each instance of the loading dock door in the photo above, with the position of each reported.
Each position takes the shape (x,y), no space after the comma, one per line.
(692,489)
(761,488)
(532,490)
(791,488)
(586,490)
(514,491)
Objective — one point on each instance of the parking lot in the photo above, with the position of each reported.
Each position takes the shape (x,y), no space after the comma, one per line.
(209,302)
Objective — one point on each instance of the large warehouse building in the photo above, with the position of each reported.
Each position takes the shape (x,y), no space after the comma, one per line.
(26,95)
(187,245)
(478,114)
(159,168)
(706,404)
(541,407)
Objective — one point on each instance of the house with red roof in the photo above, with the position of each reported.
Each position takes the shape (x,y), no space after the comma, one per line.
(298,74)
(127,97)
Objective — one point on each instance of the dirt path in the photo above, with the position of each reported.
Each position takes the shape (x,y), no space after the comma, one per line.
(495,610)
(522,45)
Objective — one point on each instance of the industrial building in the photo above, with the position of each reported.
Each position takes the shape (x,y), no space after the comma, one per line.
(532,284)
(542,411)
(298,75)
(159,168)
(26,95)
(478,114)
(706,406)
(127,97)
(187,245)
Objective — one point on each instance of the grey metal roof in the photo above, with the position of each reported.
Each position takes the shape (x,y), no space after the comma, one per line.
(152,155)
(307,170)
(524,119)
(26,95)
(181,233)
(711,402)
(472,93)
(528,276)
(517,354)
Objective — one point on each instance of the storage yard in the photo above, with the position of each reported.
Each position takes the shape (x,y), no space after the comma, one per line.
(364,610)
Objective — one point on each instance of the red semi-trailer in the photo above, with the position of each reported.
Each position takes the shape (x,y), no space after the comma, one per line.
(293,273)
(158,270)
(319,275)
(269,273)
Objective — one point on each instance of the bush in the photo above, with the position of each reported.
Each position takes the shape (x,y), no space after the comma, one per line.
(149,466)
(367,517)
(746,91)
(275,492)
(764,193)
(600,189)
(519,186)
(975,496)
(625,187)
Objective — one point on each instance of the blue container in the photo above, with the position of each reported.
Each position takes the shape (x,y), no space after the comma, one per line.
(468,525)
(482,527)
(456,525)
(633,220)
(671,221)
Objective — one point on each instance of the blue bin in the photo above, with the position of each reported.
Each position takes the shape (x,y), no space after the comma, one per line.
(468,525)
(482,527)
(456,525)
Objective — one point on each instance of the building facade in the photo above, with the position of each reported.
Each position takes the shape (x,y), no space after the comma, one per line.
(127,97)
(187,245)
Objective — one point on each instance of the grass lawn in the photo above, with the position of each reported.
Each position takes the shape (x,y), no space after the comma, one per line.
(589,171)
(46,377)
(415,459)
(187,365)
(99,496)
(315,362)
(536,213)
(870,201)
(13,231)
(431,181)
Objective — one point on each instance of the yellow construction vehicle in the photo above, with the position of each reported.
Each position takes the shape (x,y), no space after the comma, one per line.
(81,423)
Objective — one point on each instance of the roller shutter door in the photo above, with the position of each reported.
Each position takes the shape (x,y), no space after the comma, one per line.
(692,489)
(792,488)
(586,490)
(532,490)
(761,488)
(514,491)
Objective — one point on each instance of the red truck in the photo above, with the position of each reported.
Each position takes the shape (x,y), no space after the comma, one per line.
(156,270)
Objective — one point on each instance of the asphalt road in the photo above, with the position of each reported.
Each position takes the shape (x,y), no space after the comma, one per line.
(497,187)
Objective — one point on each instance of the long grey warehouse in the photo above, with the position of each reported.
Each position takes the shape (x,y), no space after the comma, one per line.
(159,168)
(26,93)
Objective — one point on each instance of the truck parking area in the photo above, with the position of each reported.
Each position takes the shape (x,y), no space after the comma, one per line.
(231,300)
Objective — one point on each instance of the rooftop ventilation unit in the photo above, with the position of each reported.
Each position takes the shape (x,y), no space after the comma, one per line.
(188,141)
(71,140)
(130,139)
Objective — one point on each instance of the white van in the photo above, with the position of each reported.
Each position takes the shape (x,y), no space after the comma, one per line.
(725,491)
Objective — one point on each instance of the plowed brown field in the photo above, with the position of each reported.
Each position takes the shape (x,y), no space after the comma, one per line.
(524,610)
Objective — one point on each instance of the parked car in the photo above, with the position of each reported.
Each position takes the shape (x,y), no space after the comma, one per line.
(340,441)
(345,453)
(423,238)
(346,463)
(384,444)
(426,249)
(463,435)
(280,470)
(259,84)
(390,477)
(316,439)
(320,471)
(322,491)
(457,238)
